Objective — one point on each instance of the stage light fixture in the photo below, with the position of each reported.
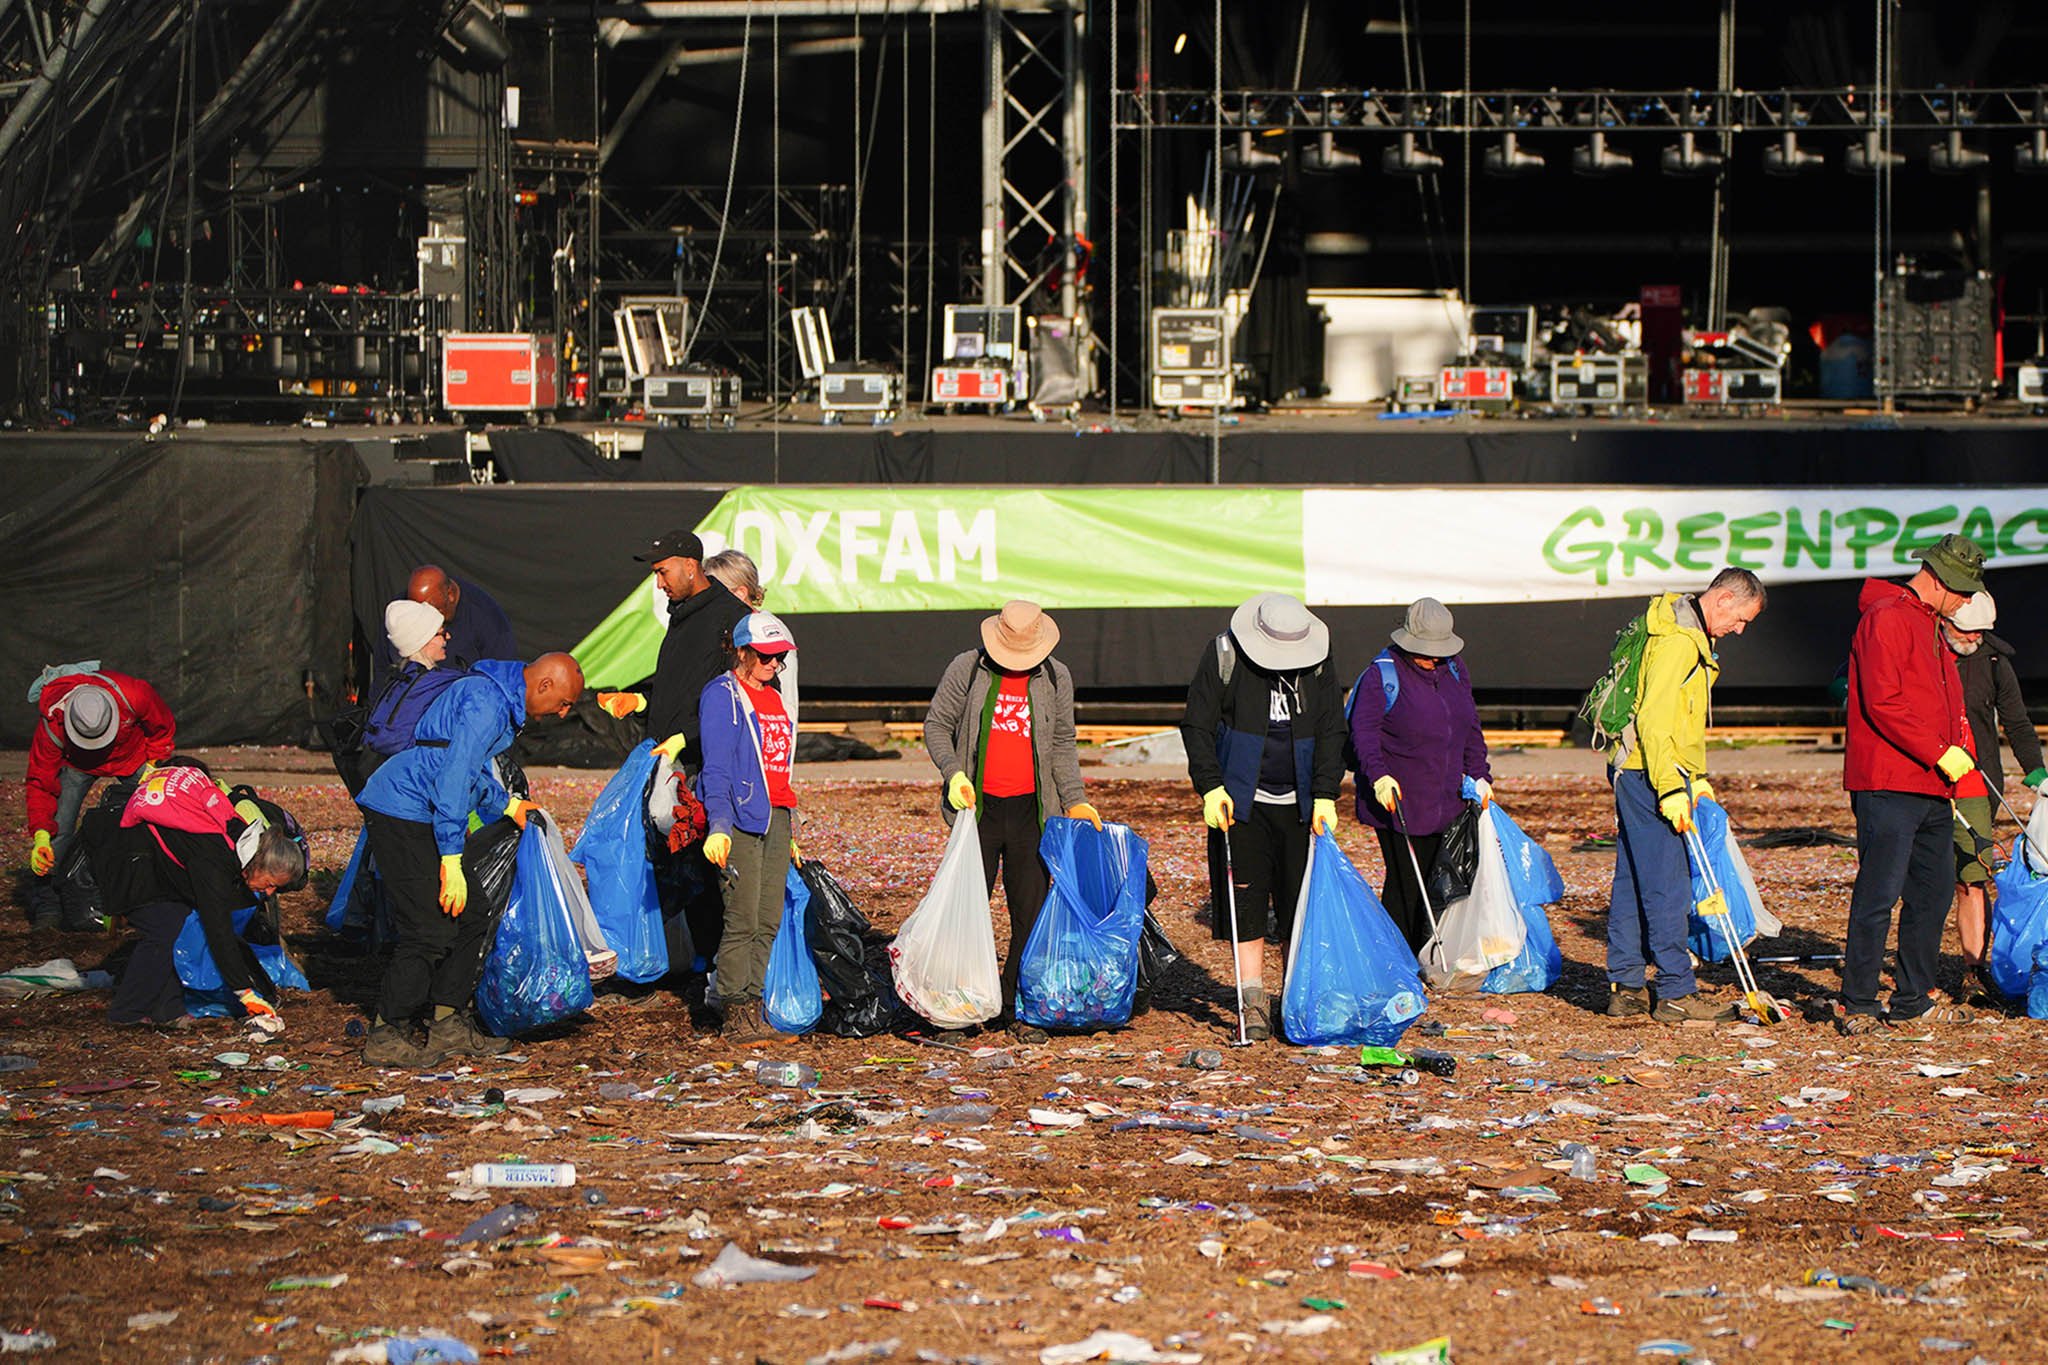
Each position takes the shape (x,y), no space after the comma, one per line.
(1408,159)
(1508,159)
(1242,156)
(1868,157)
(1951,157)
(1326,157)
(2031,157)
(1597,158)
(1685,157)
(475,36)
(1786,158)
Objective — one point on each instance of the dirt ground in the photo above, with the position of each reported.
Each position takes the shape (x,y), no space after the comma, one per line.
(1319,1213)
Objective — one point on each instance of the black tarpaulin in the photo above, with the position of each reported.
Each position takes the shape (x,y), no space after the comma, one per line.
(215,571)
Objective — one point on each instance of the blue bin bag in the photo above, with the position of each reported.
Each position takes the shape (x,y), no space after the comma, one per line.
(612,851)
(1351,977)
(2019,926)
(536,974)
(1532,875)
(1080,965)
(2037,988)
(345,889)
(1707,941)
(204,994)
(791,995)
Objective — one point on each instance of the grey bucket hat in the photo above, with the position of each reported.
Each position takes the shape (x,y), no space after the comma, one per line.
(1279,634)
(89,717)
(1427,631)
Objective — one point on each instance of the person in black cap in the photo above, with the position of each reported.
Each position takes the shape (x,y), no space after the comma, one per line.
(701,614)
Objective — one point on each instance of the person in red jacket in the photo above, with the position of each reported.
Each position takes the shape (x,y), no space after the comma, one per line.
(91,724)
(1908,745)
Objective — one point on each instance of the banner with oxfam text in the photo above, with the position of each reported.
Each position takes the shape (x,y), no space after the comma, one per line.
(874,549)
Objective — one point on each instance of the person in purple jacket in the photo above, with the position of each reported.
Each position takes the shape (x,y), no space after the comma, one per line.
(1417,737)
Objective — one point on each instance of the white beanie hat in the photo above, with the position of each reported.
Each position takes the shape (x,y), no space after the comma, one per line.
(411,625)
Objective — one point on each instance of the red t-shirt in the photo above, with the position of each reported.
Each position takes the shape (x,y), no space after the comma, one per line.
(1007,769)
(778,743)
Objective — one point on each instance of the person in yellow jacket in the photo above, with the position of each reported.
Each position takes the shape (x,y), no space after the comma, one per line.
(1658,770)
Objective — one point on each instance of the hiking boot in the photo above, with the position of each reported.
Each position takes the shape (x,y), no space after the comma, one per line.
(1258,1026)
(772,1034)
(1855,1025)
(44,907)
(742,1026)
(1626,1001)
(1027,1033)
(1681,1009)
(459,1035)
(392,1047)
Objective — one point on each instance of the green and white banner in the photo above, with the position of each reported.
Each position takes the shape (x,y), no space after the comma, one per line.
(873,549)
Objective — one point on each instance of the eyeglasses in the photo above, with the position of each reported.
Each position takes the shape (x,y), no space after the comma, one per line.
(444,635)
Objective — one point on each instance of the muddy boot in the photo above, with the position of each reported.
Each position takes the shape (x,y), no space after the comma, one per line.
(1680,1009)
(1258,1014)
(459,1035)
(392,1046)
(742,1026)
(1625,1001)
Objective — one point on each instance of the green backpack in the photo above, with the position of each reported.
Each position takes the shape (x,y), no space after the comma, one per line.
(1610,705)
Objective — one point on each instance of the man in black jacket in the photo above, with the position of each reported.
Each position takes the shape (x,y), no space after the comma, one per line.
(701,614)
(1264,731)
(1991,700)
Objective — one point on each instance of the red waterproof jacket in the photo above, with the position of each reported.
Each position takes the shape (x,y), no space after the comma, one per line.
(147,734)
(1905,697)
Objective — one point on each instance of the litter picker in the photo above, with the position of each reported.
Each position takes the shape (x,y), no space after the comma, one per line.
(1714,910)
(1230,898)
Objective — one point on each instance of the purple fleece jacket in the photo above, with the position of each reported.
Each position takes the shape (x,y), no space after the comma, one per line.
(1429,740)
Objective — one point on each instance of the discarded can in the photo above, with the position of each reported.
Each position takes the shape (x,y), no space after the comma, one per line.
(553,1173)
(1435,1063)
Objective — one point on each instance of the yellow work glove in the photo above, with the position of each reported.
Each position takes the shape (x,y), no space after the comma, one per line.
(796,855)
(622,704)
(1218,810)
(1677,811)
(1386,791)
(1702,791)
(959,792)
(670,747)
(1955,763)
(42,859)
(454,886)
(1324,819)
(1081,810)
(718,848)
(519,810)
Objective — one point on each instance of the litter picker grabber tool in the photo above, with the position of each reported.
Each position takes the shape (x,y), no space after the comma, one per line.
(1714,910)
(1421,882)
(1230,899)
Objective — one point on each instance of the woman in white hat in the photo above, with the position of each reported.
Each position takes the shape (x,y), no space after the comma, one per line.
(1264,730)
(1991,701)
(1416,732)
(1000,731)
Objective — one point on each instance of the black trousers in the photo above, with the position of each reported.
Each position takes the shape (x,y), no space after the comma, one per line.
(439,958)
(1399,892)
(1009,836)
(1905,856)
(1269,854)
(149,987)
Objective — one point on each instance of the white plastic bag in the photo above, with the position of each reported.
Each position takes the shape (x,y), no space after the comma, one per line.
(1481,931)
(661,795)
(2037,839)
(944,956)
(1768,925)
(598,954)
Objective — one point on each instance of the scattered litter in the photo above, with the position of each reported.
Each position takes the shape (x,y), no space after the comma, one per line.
(1116,1346)
(733,1266)
(143,1322)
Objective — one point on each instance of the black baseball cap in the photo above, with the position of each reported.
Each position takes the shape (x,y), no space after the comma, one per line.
(673,545)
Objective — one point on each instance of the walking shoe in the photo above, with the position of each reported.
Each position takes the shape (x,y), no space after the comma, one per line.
(392,1046)
(741,1027)
(460,1036)
(1855,1025)
(1258,1026)
(1940,1014)
(1681,1008)
(1624,1001)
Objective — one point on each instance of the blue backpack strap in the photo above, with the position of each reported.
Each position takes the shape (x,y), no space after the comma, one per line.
(1390,681)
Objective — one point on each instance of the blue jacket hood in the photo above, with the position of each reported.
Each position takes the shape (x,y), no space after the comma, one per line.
(510,676)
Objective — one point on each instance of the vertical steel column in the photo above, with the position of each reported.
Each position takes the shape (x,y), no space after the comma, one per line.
(994,233)
(1074,148)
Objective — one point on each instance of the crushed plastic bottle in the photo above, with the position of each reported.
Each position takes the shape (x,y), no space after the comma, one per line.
(499,1222)
(785,1074)
(1585,1162)
(553,1174)
(733,1266)
(961,1114)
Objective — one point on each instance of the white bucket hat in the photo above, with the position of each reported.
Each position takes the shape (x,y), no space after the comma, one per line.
(1979,613)
(1279,634)
(1427,630)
